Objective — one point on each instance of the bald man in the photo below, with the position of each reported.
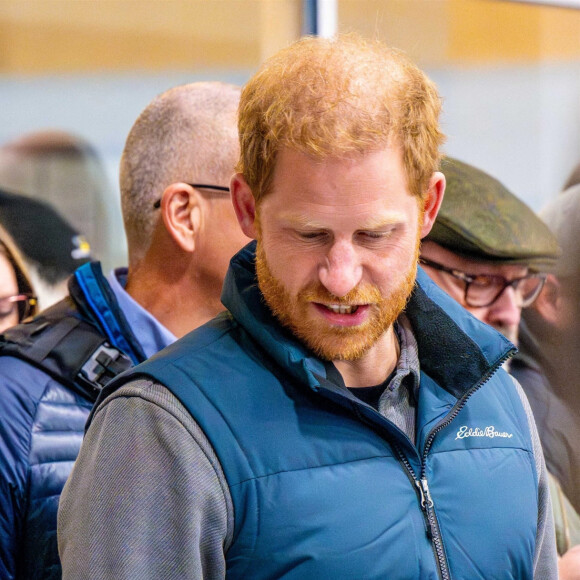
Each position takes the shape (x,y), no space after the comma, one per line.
(181,231)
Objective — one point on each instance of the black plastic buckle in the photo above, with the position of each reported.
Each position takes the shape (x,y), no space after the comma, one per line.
(103,366)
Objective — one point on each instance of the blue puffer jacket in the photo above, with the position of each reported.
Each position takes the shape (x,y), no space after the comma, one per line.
(43,413)
(323,486)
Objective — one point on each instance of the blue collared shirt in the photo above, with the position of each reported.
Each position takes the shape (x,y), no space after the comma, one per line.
(150,333)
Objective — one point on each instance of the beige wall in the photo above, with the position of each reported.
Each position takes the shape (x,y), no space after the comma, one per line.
(439,32)
(487,30)
(118,35)
(87,35)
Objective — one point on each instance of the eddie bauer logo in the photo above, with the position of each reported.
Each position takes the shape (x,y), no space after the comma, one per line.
(490,432)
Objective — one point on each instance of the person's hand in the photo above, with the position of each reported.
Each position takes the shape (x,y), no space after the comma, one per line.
(569,564)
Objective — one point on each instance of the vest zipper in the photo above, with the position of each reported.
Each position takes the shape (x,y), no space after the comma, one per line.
(426,501)
(434,534)
(427,507)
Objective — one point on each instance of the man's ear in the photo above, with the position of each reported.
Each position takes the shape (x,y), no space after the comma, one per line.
(182,214)
(244,205)
(433,200)
(549,302)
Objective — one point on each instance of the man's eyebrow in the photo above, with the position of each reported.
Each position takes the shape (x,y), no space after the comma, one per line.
(383,221)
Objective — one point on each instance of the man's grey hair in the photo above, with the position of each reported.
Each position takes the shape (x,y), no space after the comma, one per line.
(187,134)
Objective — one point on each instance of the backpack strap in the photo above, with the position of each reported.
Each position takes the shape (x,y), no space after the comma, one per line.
(96,302)
(69,349)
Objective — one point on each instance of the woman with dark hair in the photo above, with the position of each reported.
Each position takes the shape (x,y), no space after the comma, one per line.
(17,298)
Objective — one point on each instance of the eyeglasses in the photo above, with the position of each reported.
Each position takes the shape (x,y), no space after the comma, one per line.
(23,302)
(221,191)
(484,289)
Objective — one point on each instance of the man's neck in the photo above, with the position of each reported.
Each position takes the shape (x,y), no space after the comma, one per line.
(177,303)
(375,366)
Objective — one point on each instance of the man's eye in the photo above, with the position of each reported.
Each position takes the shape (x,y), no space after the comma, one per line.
(484,281)
(311,235)
(372,235)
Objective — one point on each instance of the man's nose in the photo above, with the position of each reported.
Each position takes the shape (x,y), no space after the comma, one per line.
(341,270)
(506,309)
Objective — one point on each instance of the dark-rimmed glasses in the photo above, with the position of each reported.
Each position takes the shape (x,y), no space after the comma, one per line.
(22,302)
(484,289)
(223,191)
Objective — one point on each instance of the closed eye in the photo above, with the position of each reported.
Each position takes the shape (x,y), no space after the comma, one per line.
(374,235)
(313,235)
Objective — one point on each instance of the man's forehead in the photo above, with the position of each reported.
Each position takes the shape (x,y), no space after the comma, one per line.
(472,265)
(351,179)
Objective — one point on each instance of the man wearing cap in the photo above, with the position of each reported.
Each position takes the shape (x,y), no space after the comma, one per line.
(487,249)
(181,231)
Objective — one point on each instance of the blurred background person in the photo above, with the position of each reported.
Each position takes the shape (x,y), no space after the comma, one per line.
(17,298)
(548,365)
(66,171)
(488,250)
(49,246)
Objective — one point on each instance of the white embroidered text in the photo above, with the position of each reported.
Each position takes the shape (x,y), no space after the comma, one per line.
(477,432)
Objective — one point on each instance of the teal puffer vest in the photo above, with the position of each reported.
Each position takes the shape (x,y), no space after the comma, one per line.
(325,487)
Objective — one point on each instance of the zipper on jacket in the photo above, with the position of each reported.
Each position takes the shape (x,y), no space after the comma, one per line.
(426,504)
(426,501)
(435,532)
(427,508)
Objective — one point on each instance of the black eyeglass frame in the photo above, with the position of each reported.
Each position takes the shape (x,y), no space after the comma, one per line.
(220,188)
(469,279)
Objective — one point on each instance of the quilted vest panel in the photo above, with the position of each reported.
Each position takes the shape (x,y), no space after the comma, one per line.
(324,487)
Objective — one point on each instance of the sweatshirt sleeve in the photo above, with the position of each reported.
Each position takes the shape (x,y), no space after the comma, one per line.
(545,557)
(147,497)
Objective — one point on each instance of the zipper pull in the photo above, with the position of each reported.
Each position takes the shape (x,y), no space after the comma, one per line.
(426,494)
(426,503)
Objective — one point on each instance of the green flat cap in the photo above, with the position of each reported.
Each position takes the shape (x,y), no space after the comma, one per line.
(479,218)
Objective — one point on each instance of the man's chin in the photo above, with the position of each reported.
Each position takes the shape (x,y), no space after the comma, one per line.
(342,348)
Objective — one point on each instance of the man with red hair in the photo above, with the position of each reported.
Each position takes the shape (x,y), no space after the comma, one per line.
(345,418)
